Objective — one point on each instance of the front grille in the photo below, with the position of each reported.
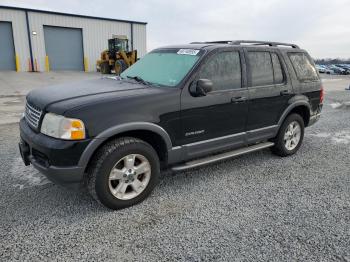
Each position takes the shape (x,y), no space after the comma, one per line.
(32,115)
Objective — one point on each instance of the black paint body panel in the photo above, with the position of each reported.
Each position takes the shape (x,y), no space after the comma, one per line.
(51,151)
(191,126)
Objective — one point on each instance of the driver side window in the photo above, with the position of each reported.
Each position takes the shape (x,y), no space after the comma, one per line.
(224,70)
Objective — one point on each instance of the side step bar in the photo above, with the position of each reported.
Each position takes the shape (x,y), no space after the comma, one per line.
(222,156)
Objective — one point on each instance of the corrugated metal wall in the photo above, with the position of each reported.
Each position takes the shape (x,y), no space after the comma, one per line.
(139,35)
(20,36)
(96,32)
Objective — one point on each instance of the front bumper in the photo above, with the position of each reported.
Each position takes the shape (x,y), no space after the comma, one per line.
(57,159)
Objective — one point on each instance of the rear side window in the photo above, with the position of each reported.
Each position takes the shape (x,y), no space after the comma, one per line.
(303,67)
(224,70)
(261,68)
(277,69)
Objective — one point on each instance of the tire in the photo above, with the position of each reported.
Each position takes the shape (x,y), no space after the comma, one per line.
(106,186)
(120,66)
(282,147)
(105,68)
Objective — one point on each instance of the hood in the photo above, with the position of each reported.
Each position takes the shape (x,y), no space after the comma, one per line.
(103,87)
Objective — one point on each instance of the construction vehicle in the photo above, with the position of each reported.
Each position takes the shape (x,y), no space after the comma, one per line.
(118,57)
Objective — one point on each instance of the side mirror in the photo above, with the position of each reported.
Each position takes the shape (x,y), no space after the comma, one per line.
(201,87)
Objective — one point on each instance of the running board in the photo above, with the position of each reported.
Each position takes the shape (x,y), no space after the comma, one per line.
(222,156)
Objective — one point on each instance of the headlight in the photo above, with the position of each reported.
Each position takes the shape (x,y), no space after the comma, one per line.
(61,127)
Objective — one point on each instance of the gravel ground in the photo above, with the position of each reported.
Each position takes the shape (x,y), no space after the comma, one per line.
(255,207)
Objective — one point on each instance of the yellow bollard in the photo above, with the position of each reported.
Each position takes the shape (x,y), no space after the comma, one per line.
(30,66)
(47,64)
(86,64)
(18,65)
(36,67)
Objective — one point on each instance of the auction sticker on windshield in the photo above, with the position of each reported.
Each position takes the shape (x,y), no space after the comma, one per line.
(187,52)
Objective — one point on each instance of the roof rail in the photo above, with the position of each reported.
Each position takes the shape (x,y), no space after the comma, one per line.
(239,42)
(252,42)
(213,42)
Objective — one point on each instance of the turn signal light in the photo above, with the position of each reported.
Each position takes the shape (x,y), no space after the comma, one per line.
(77,130)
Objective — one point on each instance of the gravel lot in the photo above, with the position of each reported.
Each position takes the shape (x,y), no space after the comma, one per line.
(255,207)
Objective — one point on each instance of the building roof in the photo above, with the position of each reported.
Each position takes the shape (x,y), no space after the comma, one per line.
(68,14)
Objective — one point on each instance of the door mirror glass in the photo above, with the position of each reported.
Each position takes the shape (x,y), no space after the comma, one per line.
(201,87)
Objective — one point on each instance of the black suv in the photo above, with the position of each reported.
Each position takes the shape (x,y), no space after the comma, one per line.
(177,108)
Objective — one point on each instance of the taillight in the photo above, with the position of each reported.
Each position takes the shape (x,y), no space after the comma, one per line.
(321,95)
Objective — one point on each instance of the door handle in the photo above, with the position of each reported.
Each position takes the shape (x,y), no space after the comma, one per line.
(285,92)
(238,99)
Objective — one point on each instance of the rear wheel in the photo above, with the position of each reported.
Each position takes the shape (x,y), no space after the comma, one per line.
(290,136)
(105,68)
(123,173)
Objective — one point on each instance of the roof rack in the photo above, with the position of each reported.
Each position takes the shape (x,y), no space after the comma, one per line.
(252,42)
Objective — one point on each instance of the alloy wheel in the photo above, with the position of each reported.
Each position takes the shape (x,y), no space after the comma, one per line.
(130,176)
(292,135)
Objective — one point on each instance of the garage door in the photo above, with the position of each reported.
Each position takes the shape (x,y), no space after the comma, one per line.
(7,49)
(64,47)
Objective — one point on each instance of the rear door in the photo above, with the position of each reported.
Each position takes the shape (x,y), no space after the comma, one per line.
(282,81)
(269,92)
(216,121)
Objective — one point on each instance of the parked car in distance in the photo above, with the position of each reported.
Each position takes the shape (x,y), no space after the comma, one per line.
(320,69)
(338,70)
(344,67)
(179,107)
(326,70)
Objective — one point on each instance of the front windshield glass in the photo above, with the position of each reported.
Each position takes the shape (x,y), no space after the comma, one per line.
(164,67)
(121,45)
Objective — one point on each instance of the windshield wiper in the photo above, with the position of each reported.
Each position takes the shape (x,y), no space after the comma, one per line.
(140,80)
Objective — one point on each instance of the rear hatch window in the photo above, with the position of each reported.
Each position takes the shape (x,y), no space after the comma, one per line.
(304,67)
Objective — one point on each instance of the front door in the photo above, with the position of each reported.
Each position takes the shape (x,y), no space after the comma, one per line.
(216,121)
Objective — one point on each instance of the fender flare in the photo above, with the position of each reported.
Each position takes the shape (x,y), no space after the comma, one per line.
(290,108)
(115,130)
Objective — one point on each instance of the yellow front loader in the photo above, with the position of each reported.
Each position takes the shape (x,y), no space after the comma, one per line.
(118,57)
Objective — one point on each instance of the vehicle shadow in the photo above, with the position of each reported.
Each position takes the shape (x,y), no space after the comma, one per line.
(50,201)
(62,205)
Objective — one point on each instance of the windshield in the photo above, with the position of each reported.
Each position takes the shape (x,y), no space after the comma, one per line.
(121,45)
(164,67)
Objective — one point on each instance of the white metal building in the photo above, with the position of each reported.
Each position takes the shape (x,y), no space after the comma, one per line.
(41,40)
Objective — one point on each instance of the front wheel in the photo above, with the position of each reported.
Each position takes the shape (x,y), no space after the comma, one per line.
(123,173)
(120,66)
(290,136)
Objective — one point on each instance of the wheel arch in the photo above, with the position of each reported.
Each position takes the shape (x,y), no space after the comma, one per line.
(151,133)
(300,107)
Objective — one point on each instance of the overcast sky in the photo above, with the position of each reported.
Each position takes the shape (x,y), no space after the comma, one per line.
(322,27)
